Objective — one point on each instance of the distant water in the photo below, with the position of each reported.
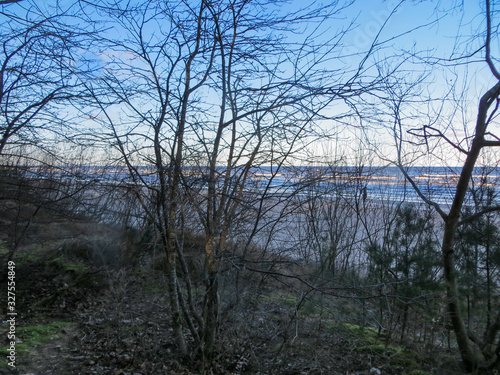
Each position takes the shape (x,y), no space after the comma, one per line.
(384,184)
(435,183)
(374,183)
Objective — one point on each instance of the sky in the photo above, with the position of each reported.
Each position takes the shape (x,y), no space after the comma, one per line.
(444,29)
(430,28)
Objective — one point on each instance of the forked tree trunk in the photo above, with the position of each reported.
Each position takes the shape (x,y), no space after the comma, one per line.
(177,326)
(470,353)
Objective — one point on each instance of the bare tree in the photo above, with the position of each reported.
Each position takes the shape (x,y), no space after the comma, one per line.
(205,94)
(477,354)
(42,47)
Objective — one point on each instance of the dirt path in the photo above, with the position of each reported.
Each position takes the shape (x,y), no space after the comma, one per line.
(50,357)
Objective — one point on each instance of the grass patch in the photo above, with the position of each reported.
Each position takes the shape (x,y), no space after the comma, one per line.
(365,335)
(61,264)
(32,254)
(280,297)
(370,342)
(33,336)
(75,273)
(381,349)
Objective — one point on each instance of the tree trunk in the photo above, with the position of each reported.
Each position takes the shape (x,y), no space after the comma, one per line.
(174,303)
(211,302)
(211,316)
(471,354)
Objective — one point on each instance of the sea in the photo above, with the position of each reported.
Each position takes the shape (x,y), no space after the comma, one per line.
(388,183)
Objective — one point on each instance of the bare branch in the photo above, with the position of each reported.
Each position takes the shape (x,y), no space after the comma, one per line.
(489,61)
(478,214)
(438,134)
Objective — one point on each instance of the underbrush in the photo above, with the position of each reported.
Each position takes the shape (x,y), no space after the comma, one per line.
(107,286)
(123,324)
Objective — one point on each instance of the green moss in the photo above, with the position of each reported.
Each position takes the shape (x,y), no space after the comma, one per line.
(370,342)
(382,349)
(34,336)
(397,357)
(281,297)
(31,255)
(406,359)
(61,264)
(366,335)
(74,272)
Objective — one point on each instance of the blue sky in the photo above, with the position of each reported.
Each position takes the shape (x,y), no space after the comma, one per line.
(444,30)
(440,29)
